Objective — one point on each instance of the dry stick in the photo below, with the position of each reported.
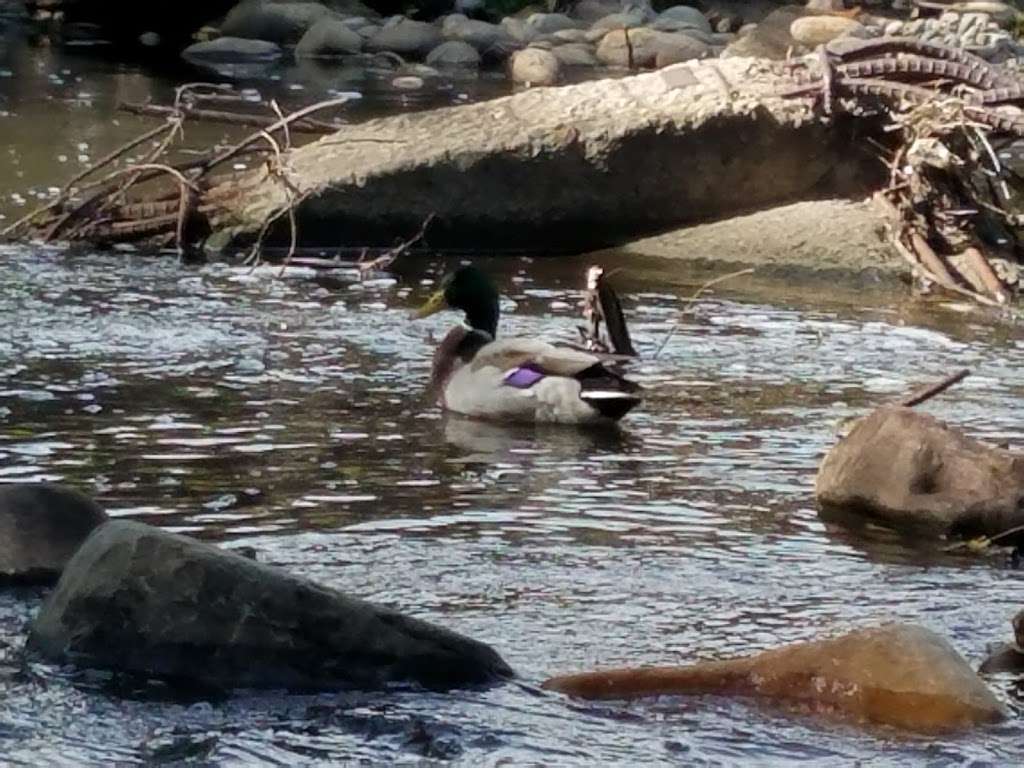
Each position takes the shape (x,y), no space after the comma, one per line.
(693,298)
(931,260)
(387,258)
(630,64)
(284,126)
(950,286)
(232,151)
(927,393)
(187,89)
(977,262)
(223,116)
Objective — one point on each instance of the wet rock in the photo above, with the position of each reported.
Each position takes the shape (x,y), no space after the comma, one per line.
(1007,657)
(534,66)
(546,23)
(913,471)
(329,37)
(454,53)
(41,527)
(900,675)
(813,31)
(479,34)
(281,23)
(684,14)
(138,599)
(646,46)
(406,38)
(575,55)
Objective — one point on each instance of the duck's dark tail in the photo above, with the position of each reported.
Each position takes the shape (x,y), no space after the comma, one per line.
(606,392)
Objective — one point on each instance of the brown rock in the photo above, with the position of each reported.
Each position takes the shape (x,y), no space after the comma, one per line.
(813,31)
(911,470)
(646,45)
(535,66)
(900,675)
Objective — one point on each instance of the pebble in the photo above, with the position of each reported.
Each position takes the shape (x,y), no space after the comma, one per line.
(408,83)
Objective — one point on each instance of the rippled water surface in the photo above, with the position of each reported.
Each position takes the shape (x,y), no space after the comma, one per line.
(287,414)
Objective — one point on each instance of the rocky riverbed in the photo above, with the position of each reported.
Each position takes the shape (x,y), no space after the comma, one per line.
(534,46)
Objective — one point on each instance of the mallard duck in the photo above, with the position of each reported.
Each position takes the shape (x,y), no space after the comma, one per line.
(518,379)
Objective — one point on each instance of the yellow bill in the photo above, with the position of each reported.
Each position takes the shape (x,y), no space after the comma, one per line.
(432,306)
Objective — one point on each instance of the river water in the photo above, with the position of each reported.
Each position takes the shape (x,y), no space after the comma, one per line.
(286,413)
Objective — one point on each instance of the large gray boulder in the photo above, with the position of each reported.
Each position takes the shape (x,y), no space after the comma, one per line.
(138,599)
(41,527)
(281,23)
(329,37)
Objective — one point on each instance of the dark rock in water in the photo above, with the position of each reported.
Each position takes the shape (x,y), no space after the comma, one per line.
(41,527)
(1007,657)
(329,37)
(281,23)
(138,599)
(913,471)
(228,49)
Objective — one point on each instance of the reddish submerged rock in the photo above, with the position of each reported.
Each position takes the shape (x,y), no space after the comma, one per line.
(900,675)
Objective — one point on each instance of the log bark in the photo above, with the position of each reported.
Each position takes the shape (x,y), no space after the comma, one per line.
(563,168)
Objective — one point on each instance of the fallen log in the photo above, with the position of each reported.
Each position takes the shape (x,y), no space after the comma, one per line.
(574,167)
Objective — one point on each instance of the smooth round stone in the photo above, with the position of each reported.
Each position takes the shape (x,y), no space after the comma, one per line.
(813,31)
(230,49)
(329,37)
(533,66)
(282,23)
(627,20)
(454,53)
(686,15)
(546,23)
(408,83)
(570,36)
(406,37)
(575,55)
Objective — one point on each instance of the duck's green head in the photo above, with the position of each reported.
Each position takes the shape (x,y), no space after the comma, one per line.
(470,290)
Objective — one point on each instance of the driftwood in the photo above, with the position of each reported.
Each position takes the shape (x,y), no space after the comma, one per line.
(898,675)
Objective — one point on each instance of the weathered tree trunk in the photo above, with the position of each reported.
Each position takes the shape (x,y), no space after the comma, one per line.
(578,167)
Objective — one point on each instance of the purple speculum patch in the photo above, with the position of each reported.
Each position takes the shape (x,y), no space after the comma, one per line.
(522,378)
